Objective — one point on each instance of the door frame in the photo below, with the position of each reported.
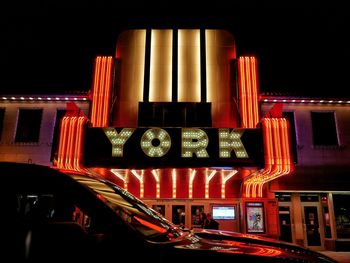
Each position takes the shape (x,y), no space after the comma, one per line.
(320,224)
(291,214)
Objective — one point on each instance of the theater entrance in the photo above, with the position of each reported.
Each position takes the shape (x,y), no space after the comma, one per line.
(186,213)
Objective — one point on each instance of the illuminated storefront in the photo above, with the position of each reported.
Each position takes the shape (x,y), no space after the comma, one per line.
(175,119)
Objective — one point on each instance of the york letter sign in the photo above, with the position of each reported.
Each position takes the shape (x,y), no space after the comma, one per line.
(178,147)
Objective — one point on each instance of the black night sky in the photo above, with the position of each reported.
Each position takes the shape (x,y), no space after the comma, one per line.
(50,48)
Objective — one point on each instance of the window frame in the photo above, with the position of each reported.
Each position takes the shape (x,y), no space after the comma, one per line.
(315,130)
(19,138)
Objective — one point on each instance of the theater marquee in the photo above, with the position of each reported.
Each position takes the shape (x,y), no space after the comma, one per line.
(179,147)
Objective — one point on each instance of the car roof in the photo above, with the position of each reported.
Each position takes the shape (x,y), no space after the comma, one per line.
(17,175)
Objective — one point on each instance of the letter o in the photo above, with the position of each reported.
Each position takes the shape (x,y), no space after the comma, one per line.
(163,145)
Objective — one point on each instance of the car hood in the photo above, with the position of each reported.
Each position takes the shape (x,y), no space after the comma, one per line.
(238,243)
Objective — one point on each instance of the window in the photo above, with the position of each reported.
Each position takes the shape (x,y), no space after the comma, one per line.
(324,129)
(160,209)
(28,125)
(2,115)
(196,219)
(342,215)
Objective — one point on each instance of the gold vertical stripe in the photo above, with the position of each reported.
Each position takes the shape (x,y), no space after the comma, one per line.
(189,88)
(161,66)
(220,50)
(131,51)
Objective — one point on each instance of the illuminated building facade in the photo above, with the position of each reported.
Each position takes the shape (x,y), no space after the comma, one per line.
(176,118)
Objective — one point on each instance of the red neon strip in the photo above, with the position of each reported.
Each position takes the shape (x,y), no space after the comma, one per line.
(150,225)
(100,95)
(71,141)
(255,92)
(248,91)
(95,91)
(107,93)
(79,143)
(242,91)
(277,156)
(62,143)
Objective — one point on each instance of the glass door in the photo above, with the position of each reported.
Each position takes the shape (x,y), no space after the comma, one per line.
(197,212)
(178,215)
(284,213)
(313,227)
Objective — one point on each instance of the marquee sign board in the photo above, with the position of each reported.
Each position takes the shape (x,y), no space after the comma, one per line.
(173,147)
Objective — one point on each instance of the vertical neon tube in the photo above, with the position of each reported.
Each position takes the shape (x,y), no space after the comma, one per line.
(156,176)
(174,178)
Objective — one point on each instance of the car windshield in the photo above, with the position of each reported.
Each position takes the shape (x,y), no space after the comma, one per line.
(132,210)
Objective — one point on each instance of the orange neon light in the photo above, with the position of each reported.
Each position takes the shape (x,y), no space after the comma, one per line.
(278,157)
(122,174)
(190,184)
(62,142)
(95,90)
(140,177)
(71,143)
(248,91)
(174,178)
(156,176)
(101,91)
(208,178)
(225,176)
(78,155)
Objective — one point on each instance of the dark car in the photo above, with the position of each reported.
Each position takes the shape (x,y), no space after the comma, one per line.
(51,215)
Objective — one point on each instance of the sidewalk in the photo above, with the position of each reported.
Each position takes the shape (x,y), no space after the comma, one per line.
(340,256)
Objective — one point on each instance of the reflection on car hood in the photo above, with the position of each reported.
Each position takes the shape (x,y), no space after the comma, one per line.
(233,242)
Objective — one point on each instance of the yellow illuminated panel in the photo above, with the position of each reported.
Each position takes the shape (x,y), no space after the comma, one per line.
(194,141)
(160,85)
(189,88)
(229,141)
(131,52)
(220,51)
(159,136)
(118,139)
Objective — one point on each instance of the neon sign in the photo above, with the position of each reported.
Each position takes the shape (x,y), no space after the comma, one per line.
(166,146)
